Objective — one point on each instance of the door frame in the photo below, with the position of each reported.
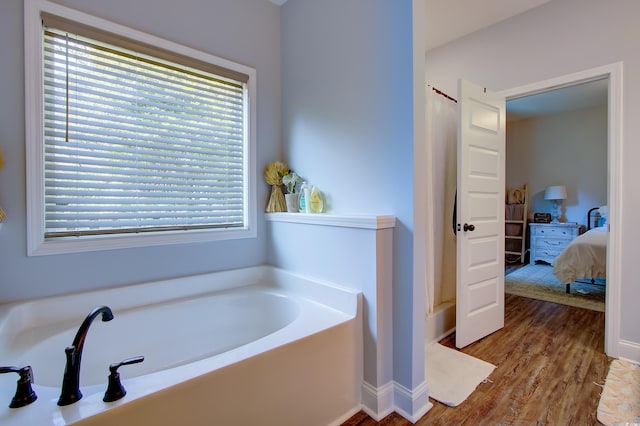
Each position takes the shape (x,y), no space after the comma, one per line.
(614,166)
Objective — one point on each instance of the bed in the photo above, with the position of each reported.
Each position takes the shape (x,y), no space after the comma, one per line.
(586,256)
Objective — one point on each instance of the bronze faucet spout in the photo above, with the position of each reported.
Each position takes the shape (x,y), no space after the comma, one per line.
(71,380)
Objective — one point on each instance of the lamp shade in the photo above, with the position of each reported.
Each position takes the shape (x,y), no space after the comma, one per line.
(557,192)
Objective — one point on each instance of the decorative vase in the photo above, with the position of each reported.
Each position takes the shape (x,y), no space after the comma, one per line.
(292,202)
(276,201)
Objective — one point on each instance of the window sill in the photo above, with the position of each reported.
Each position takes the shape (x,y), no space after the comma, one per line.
(39,247)
(325,219)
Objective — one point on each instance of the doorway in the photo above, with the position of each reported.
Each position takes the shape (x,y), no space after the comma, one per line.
(613,74)
(556,139)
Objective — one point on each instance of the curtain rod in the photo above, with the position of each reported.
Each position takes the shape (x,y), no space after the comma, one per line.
(440,92)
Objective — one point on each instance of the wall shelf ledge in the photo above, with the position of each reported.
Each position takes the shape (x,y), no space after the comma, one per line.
(328,219)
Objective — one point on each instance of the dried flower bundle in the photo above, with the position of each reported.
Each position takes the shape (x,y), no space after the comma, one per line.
(274,171)
(273,176)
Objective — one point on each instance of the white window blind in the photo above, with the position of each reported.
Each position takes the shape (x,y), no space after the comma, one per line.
(135,143)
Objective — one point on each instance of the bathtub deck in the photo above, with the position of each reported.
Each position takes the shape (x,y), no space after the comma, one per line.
(548,357)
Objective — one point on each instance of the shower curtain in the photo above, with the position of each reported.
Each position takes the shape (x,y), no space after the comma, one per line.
(441,119)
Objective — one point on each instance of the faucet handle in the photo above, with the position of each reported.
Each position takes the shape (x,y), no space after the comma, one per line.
(24,393)
(114,367)
(115,390)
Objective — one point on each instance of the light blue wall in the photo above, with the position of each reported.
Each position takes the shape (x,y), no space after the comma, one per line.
(347,106)
(245,31)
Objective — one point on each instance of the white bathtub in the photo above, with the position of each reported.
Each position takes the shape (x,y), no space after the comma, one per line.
(257,345)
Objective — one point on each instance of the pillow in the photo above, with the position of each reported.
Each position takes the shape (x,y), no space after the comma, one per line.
(604,211)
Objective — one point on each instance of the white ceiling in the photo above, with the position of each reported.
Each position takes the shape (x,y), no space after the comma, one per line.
(448,20)
(579,96)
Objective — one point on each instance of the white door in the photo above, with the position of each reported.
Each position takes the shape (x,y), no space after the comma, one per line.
(480,213)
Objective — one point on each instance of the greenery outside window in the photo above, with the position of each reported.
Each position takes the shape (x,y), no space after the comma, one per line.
(133,140)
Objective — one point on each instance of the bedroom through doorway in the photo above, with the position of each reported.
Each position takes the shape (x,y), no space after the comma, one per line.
(557,140)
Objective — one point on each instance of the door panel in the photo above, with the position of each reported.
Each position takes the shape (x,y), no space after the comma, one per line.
(483,296)
(482,207)
(484,116)
(480,203)
(483,162)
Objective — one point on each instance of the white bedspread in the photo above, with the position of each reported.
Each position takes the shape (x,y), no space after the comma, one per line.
(584,257)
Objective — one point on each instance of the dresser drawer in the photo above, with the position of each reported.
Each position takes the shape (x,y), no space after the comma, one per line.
(548,240)
(554,231)
(546,254)
(552,243)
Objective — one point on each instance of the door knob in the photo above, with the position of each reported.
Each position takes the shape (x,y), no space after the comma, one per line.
(468,227)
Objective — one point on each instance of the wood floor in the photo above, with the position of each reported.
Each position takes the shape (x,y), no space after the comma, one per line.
(548,358)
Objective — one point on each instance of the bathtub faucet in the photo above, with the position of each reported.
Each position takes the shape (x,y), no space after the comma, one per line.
(71,379)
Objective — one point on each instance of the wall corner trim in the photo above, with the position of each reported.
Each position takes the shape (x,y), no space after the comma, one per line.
(412,404)
(377,402)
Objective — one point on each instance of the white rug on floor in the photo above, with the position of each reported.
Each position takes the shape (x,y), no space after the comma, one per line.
(620,400)
(452,375)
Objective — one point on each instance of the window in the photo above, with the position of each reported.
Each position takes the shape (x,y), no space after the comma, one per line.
(137,143)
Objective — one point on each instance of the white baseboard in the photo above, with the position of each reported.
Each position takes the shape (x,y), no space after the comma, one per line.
(629,351)
(411,404)
(377,402)
(346,416)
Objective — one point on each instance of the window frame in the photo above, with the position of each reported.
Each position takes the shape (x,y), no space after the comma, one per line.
(34,141)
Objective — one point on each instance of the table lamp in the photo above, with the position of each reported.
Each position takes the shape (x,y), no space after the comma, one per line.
(556,193)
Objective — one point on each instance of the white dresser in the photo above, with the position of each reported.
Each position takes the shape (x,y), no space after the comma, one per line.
(549,239)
